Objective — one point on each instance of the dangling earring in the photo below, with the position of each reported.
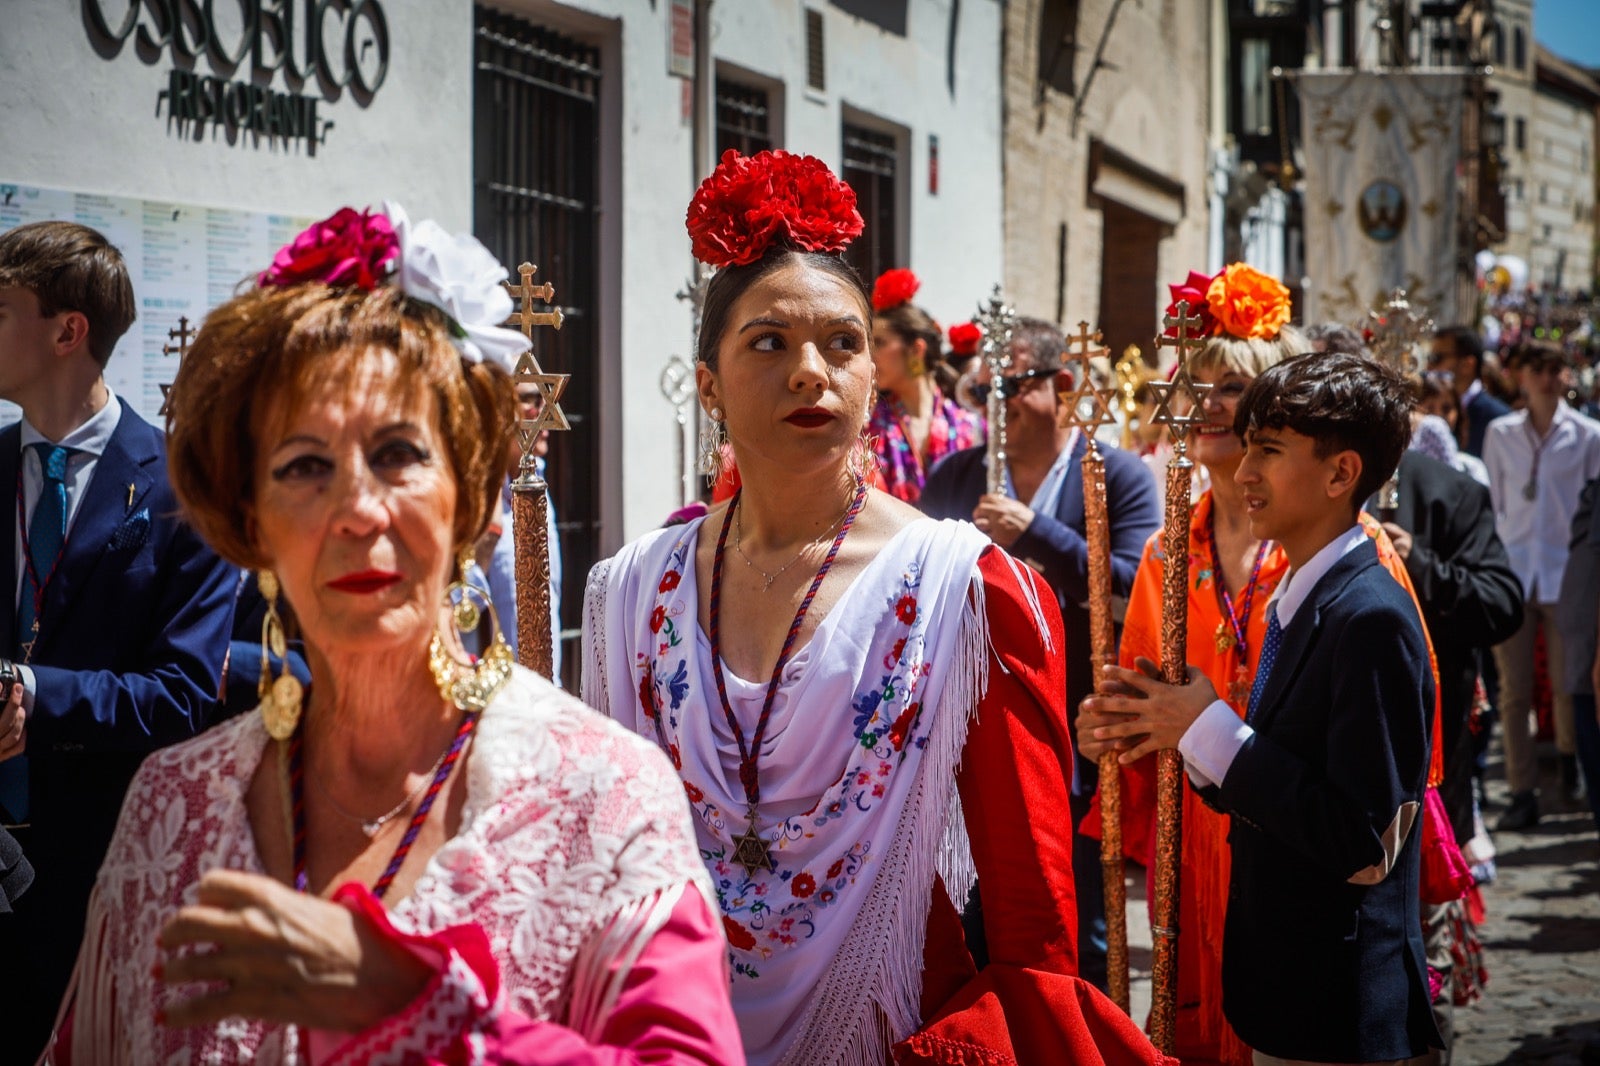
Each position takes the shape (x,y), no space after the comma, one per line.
(713,435)
(916,365)
(470,687)
(280,698)
(863,453)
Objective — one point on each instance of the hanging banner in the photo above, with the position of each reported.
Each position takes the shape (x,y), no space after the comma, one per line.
(1381,153)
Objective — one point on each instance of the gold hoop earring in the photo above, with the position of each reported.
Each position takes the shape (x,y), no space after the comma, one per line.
(281,698)
(916,365)
(470,686)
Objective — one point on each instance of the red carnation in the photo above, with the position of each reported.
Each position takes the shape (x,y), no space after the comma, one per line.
(669,581)
(749,203)
(893,288)
(348,248)
(964,339)
(1193,289)
(803,885)
(738,935)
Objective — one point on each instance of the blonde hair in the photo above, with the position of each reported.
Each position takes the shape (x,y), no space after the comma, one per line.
(1250,356)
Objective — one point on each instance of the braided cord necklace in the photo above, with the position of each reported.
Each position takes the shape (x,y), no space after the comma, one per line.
(297,803)
(1233,630)
(751,850)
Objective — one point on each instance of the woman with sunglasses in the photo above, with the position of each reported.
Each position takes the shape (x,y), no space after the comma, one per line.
(862,703)
(1244,331)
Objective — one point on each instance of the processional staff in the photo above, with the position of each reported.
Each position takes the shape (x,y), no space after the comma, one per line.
(1396,332)
(1087,409)
(1177,408)
(996,320)
(183,334)
(530,493)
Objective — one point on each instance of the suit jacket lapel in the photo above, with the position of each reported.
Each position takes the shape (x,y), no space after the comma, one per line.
(106,505)
(1306,626)
(10,471)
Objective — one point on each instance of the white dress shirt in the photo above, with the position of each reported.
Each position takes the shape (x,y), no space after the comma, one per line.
(1535,532)
(1213,740)
(90,441)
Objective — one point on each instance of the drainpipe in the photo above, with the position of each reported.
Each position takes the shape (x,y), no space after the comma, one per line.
(702,123)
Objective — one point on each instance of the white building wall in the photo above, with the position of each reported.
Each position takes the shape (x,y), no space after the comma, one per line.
(72,119)
(953,239)
(1561,231)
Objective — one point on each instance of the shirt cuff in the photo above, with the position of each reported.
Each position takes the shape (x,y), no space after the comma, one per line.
(1211,743)
(30,686)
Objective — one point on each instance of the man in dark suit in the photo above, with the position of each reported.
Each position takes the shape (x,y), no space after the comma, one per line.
(1458,351)
(1322,958)
(1047,532)
(121,615)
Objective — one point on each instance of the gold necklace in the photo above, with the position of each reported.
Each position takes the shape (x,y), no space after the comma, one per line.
(766,578)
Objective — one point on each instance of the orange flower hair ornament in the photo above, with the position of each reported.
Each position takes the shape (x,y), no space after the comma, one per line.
(894,287)
(748,204)
(1240,301)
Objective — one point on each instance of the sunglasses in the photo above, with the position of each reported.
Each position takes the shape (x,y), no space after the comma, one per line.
(1010,384)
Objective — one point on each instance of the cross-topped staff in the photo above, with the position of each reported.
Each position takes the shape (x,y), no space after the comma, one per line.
(530,494)
(996,319)
(183,335)
(1171,412)
(1087,409)
(677,380)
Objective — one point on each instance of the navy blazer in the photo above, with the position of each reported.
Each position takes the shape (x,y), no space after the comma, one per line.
(1054,543)
(1313,966)
(129,659)
(1479,412)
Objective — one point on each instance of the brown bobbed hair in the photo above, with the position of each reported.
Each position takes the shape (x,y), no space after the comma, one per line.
(730,283)
(70,267)
(270,349)
(1250,356)
(911,324)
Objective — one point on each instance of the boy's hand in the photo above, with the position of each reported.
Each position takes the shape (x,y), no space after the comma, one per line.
(1089,719)
(1157,718)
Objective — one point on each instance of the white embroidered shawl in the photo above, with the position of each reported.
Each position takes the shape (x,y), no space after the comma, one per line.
(858,776)
(574,845)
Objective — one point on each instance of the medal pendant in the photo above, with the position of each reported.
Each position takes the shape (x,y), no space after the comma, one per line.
(1530,491)
(1224,639)
(752,851)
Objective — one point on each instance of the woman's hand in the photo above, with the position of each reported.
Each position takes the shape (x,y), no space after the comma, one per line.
(284,958)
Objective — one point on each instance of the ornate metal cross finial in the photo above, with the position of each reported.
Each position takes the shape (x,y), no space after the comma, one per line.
(1181,386)
(996,319)
(1086,407)
(183,335)
(1398,331)
(528,371)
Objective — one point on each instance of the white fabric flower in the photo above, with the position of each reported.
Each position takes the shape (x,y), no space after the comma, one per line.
(458,275)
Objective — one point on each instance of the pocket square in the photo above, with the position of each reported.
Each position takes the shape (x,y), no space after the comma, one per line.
(133,532)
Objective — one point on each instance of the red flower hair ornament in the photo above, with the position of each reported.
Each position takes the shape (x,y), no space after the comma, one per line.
(748,204)
(1193,289)
(1239,301)
(893,288)
(964,339)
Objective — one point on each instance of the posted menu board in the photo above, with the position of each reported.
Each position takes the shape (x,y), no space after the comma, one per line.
(184,260)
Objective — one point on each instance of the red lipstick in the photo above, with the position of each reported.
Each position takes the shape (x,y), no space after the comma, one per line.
(364,582)
(810,417)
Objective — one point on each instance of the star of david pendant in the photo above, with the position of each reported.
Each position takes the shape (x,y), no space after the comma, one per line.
(1224,639)
(752,851)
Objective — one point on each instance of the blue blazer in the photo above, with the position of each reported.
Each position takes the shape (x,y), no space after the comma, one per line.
(1055,545)
(1479,412)
(1313,966)
(129,659)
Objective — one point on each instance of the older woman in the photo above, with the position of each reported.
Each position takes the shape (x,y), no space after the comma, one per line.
(417,858)
(1244,330)
(862,703)
(913,424)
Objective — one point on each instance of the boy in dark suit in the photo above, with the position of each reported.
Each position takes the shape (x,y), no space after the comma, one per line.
(118,627)
(1322,956)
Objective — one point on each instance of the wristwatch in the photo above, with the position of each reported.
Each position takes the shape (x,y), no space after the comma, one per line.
(9,675)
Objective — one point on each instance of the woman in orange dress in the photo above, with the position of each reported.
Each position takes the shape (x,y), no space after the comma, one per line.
(1232,577)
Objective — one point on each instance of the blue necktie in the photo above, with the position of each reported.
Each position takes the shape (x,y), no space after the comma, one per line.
(47,535)
(1269,654)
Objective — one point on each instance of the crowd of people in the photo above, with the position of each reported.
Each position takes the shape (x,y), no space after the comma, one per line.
(274,790)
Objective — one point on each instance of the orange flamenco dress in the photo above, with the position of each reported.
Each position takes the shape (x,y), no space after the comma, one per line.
(1202,1034)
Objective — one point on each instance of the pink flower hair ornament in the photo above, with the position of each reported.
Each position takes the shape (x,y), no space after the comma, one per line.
(455,273)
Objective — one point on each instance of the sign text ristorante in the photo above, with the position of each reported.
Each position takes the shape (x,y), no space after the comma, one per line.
(322,45)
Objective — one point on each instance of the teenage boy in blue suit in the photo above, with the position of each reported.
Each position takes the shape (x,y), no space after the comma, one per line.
(1322,957)
(115,636)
